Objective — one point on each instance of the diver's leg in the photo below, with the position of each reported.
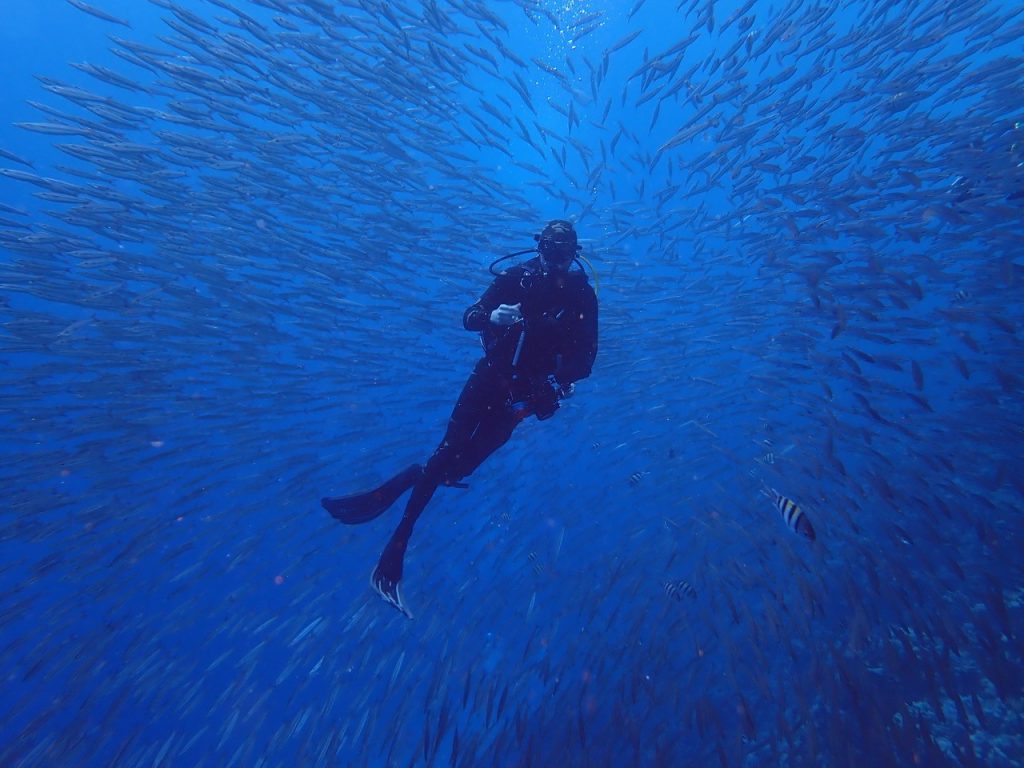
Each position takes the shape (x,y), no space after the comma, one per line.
(482,399)
(389,569)
(492,433)
(363,507)
(477,401)
(445,464)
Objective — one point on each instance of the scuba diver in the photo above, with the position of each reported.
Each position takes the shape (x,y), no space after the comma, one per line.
(538,325)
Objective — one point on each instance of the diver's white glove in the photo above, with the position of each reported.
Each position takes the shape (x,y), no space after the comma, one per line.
(507,314)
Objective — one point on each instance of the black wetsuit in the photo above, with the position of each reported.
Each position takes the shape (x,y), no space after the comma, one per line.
(557,337)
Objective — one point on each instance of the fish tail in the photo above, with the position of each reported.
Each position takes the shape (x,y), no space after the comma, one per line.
(804,527)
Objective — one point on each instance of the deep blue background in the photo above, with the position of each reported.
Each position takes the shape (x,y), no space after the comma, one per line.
(792,298)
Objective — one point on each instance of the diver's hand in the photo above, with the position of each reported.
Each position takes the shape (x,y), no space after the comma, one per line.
(506,314)
(544,399)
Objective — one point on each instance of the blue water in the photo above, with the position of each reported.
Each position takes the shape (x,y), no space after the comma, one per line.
(233,266)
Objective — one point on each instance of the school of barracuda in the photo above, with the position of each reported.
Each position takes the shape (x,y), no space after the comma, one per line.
(806,223)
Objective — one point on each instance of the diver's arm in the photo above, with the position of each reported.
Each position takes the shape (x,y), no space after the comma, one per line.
(578,360)
(478,315)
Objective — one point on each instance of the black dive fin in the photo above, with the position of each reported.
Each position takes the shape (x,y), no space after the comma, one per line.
(364,507)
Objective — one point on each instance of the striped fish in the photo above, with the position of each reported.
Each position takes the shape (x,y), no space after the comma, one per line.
(793,515)
(679,589)
(538,567)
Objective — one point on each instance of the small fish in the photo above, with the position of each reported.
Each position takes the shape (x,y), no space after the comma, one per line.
(99,14)
(917,373)
(961,366)
(15,158)
(635,478)
(623,42)
(679,589)
(538,568)
(793,515)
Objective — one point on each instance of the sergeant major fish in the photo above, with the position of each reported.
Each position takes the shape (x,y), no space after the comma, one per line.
(792,514)
(679,589)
